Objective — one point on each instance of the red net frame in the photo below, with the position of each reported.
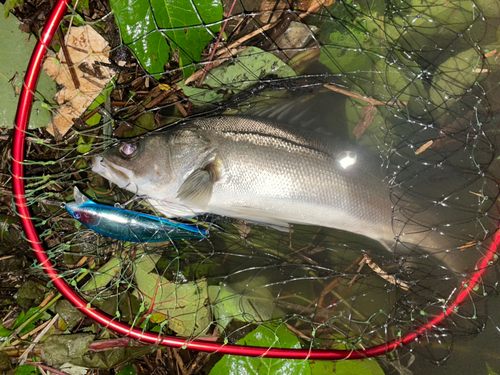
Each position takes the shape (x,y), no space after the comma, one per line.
(22,209)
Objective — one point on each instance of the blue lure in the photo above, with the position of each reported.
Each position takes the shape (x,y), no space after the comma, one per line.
(128,225)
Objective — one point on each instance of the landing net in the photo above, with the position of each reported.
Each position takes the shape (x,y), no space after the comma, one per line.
(410,81)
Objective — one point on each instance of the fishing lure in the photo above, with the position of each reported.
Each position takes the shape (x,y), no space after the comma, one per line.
(128,225)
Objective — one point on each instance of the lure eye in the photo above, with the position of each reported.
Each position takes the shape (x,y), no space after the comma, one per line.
(77,215)
(129,150)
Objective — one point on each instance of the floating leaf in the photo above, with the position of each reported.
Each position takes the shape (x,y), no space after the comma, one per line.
(265,336)
(183,305)
(351,367)
(17,48)
(103,276)
(228,305)
(252,65)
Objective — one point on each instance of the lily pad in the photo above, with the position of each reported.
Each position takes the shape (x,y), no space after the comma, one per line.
(228,305)
(183,306)
(265,336)
(453,79)
(357,367)
(12,69)
(251,65)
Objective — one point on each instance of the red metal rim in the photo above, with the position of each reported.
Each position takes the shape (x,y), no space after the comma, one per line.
(27,221)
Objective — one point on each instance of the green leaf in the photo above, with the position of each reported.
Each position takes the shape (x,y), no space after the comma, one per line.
(23,317)
(11,4)
(228,305)
(104,275)
(490,370)
(84,147)
(191,35)
(27,370)
(201,96)
(12,68)
(129,370)
(59,349)
(268,337)
(182,25)
(183,306)
(101,98)
(136,23)
(350,367)
(4,332)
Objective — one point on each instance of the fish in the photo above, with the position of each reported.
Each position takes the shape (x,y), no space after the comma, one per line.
(126,225)
(264,171)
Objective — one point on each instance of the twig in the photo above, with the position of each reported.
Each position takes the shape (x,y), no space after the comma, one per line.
(24,356)
(424,147)
(67,57)
(200,361)
(180,362)
(206,68)
(297,332)
(45,367)
(5,137)
(246,37)
(334,282)
(367,115)
(221,59)
(361,97)
(380,272)
(31,333)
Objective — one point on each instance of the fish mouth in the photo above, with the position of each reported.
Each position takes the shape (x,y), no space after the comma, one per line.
(121,176)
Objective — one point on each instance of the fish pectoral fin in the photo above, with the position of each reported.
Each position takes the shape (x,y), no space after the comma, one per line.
(170,209)
(197,188)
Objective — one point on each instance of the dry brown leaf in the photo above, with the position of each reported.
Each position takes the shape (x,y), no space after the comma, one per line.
(85,46)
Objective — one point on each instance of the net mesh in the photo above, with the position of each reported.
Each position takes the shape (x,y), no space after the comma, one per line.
(410,80)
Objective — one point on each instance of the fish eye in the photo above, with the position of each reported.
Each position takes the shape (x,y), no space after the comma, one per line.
(129,150)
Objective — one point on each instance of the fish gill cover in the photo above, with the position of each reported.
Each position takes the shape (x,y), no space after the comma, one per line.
(411,83)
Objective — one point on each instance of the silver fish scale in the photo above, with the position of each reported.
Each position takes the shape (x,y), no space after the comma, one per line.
(276,171)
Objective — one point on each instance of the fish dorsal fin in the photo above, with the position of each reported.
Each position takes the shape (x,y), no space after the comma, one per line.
(79,197)
(321,111)
(198,186)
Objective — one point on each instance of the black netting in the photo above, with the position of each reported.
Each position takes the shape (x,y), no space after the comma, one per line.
(412,83)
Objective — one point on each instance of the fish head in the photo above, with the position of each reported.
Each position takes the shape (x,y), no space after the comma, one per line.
(155,165)
(139,165)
